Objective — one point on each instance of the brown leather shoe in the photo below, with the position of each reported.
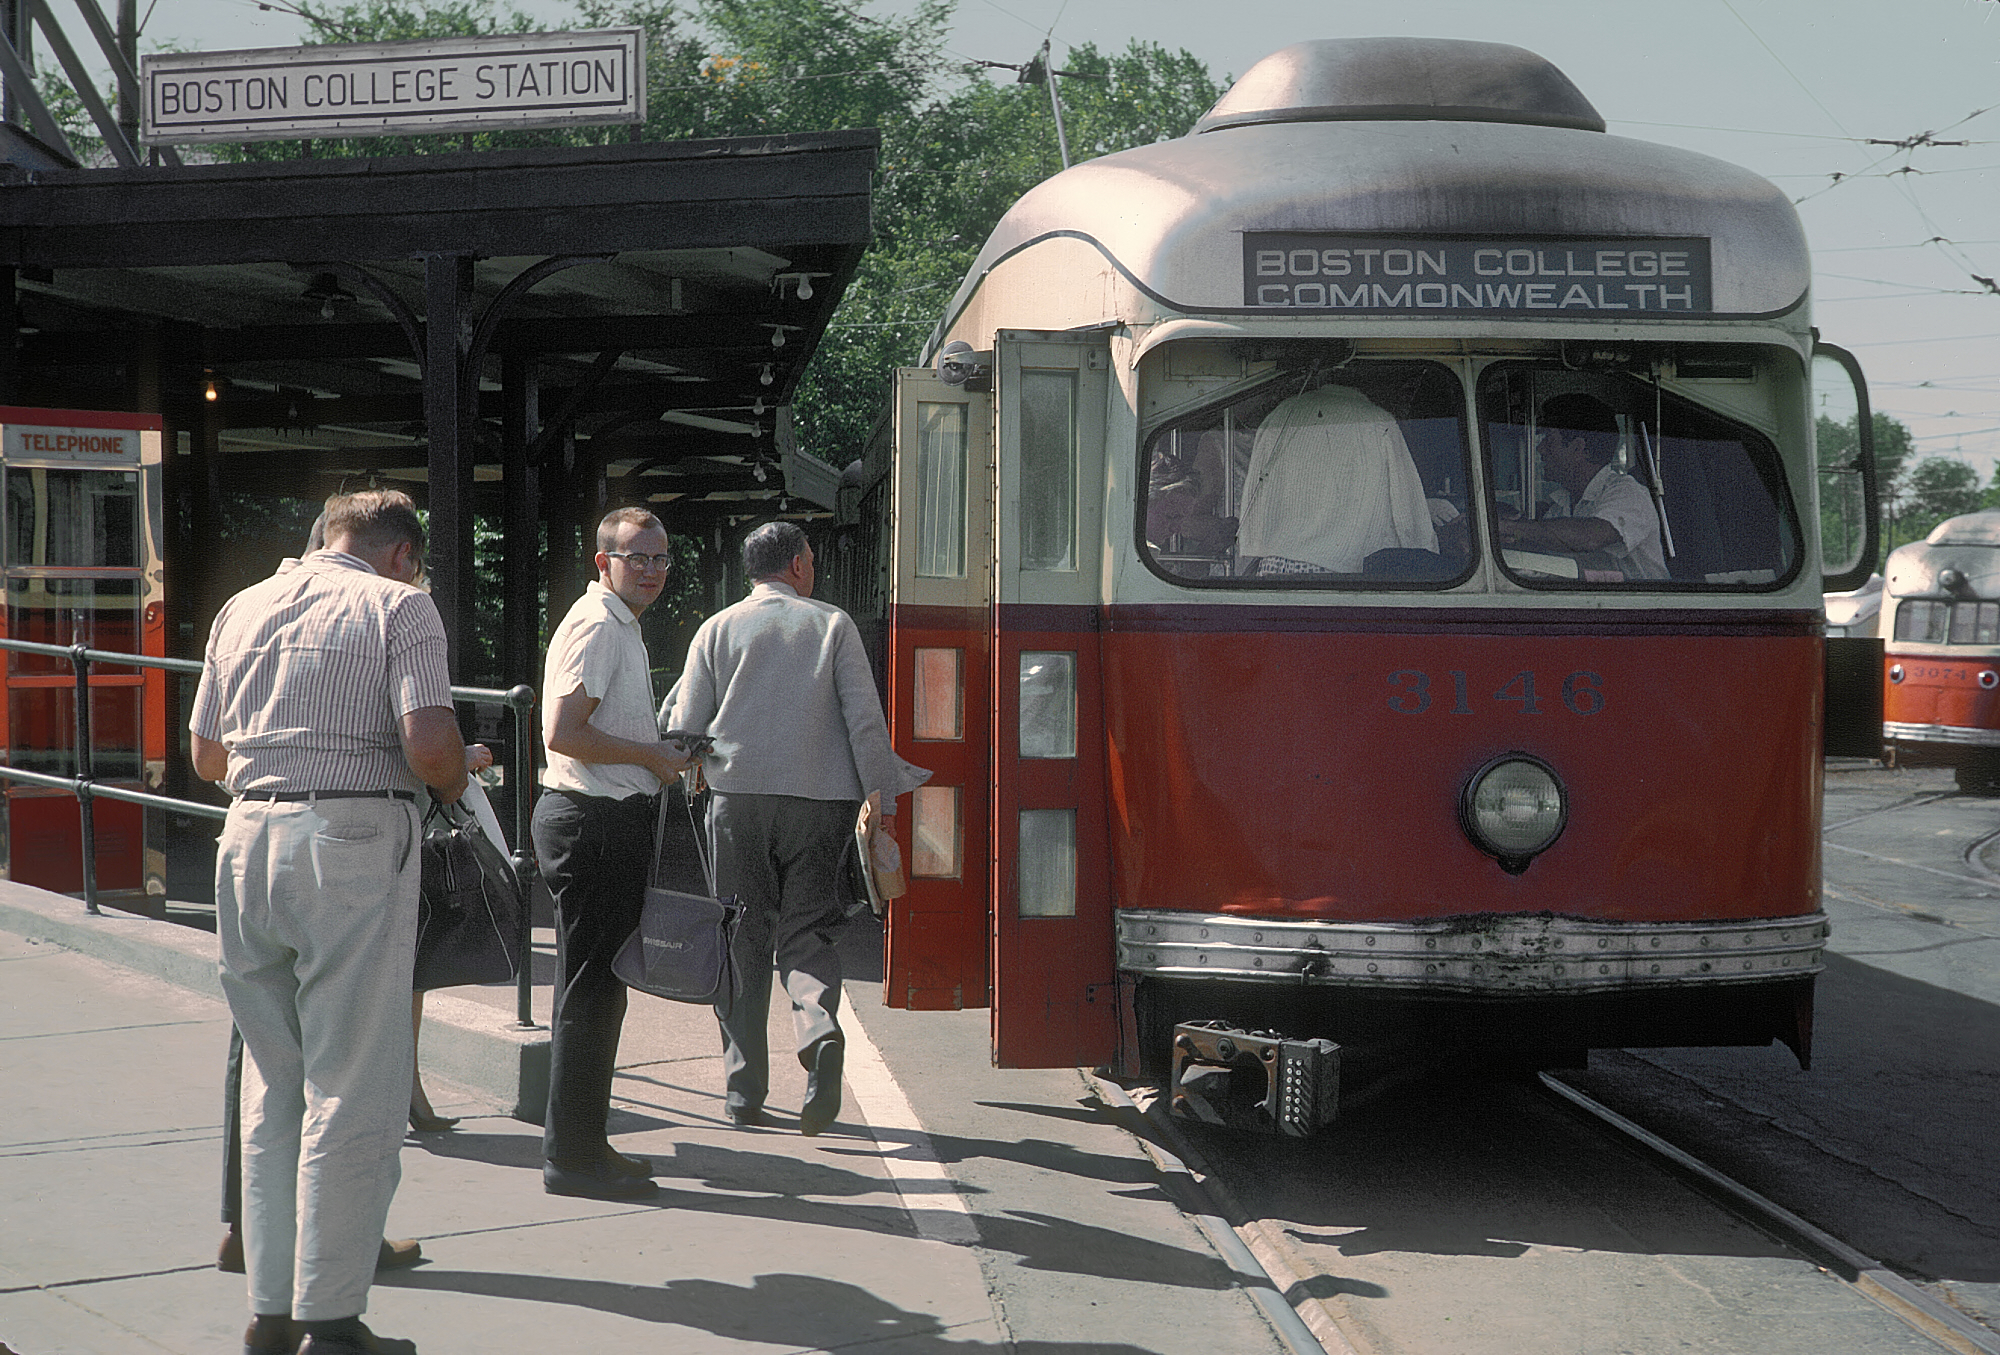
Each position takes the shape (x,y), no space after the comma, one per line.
(271,1334)
(398,1255)
(229,1256)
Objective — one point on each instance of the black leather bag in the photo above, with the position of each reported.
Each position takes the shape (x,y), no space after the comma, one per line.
(469,911)
(682,947)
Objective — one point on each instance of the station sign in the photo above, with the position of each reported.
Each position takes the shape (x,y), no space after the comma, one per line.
(1328,274)
(507,82)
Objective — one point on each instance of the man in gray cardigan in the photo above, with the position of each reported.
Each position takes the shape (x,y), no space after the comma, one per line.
(782,684)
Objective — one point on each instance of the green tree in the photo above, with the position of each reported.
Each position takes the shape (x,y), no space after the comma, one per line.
(1837,444)
(1936,488)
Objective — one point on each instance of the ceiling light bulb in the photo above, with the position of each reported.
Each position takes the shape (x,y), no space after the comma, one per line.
(805,286)
(759,471)
(326,309)
(777,336)
(765,377)
(208,392)
(758,408)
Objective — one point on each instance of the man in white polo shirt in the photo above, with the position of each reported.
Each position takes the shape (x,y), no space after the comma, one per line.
(593,832)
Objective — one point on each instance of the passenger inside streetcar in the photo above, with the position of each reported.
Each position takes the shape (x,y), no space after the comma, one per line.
(1330,483)
(1608,510)
(1291,482)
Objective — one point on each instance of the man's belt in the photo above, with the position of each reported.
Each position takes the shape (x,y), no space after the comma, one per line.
(328,795)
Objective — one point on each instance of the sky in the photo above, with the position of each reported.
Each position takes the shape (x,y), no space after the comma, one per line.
(1812,94)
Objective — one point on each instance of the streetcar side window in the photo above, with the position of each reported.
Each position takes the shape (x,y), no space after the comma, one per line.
(1605,480)
(1322,476)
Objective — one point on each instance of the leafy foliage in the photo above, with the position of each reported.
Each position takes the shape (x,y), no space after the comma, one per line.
(1937,488)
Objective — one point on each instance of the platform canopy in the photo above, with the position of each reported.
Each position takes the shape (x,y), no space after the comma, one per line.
(624,323)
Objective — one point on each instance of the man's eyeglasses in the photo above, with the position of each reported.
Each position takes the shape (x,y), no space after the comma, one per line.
(639,560)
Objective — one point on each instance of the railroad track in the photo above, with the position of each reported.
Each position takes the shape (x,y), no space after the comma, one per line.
(1672,1200)
(1738,1251)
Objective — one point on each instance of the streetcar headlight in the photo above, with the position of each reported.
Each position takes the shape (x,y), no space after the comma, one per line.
(1513,808)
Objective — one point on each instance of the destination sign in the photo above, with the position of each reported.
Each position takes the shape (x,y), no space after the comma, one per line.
(1321,273)
(502,83)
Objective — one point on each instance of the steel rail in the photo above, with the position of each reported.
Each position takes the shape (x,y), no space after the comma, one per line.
(85,786)
(1199,1198)
(1923,1313)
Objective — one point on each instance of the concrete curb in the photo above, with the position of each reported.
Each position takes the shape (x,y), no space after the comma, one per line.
(474,1045)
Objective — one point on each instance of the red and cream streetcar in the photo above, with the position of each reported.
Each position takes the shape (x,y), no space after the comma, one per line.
(1272,655)
(1940,627)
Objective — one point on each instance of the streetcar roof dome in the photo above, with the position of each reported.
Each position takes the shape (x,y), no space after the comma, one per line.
(1386,79)
(1964,543)
(1173,218)
(1967,529)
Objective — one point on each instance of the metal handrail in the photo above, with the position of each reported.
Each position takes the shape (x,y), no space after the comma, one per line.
(85,786)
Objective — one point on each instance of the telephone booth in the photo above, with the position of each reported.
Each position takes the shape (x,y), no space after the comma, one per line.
(81,548)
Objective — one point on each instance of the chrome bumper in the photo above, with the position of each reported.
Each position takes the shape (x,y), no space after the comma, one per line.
(1960,735)
(1480,955)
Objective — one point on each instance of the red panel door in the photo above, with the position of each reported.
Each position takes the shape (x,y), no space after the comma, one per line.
(1054,959)
(941,551)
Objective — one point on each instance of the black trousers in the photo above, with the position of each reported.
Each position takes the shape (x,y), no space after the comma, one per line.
(594,853)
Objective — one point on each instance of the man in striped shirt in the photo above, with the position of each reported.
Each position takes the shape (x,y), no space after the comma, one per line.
(325,709)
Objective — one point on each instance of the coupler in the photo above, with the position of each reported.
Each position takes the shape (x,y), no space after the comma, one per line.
(1255,1080)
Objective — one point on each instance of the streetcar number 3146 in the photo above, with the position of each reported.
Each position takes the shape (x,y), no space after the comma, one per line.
(1411,692)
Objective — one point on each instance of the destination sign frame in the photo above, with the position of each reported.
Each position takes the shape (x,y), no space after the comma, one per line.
(506,82)
(1324,273)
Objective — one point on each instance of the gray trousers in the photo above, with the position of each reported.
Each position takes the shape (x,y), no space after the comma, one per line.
(316,912)
(780,856)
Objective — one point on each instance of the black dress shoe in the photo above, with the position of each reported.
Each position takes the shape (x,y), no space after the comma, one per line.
(748,1117)
(430,1124)
(595,1182)
(270,1334)
(354,1338)
(621,1165)
(822,1086)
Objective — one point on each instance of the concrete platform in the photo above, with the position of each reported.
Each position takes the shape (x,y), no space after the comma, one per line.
(954,1210)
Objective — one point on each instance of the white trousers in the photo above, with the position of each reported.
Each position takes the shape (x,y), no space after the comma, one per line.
(316,910)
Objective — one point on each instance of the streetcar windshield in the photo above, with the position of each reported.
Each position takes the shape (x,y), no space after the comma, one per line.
(1605,479)
(1308,467)
(1322,476)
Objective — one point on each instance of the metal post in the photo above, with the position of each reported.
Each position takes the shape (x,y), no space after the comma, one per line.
(520,481)
(521,773)
(447,294)
(78,657)
(128,86)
